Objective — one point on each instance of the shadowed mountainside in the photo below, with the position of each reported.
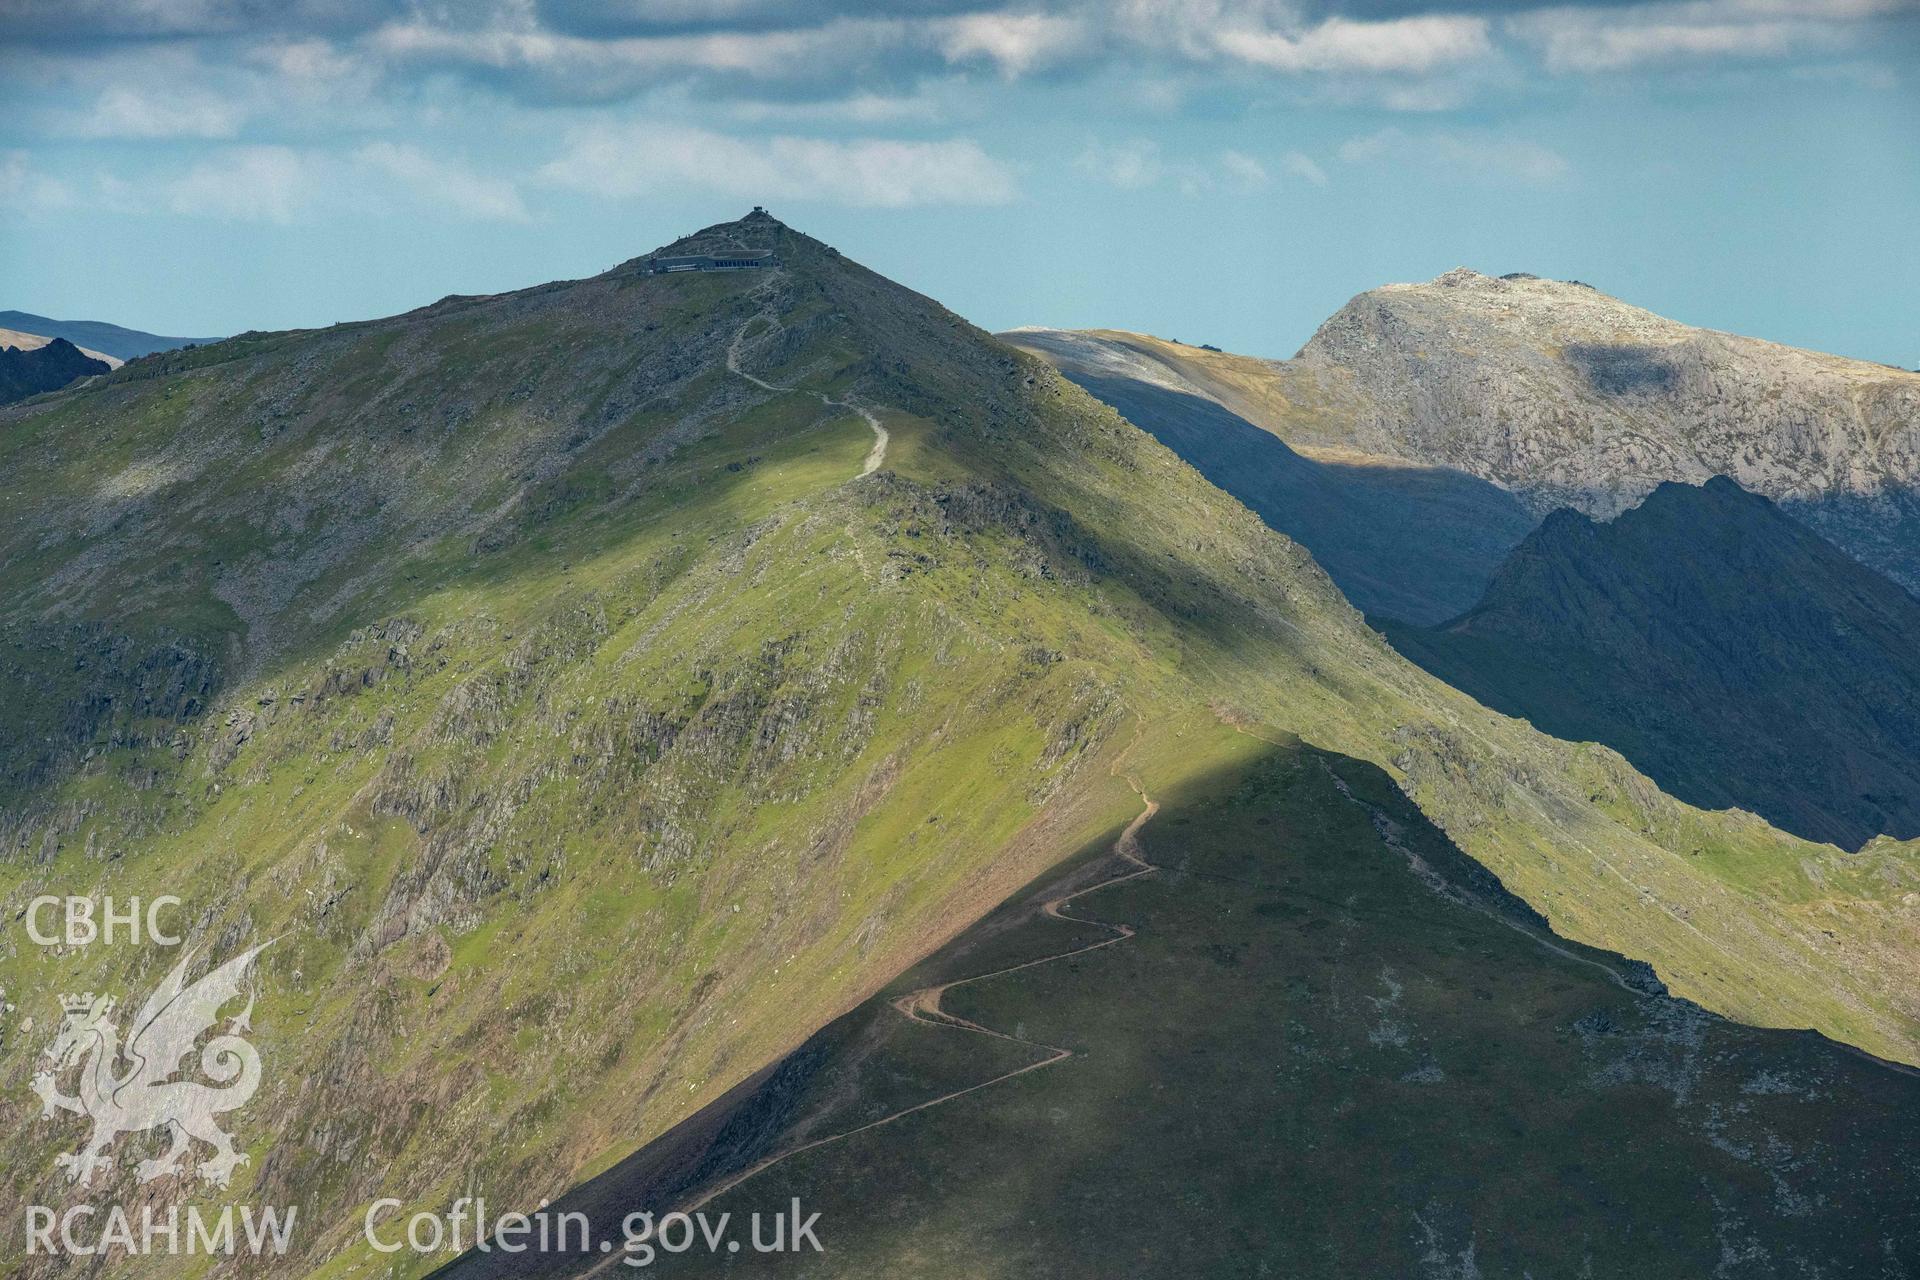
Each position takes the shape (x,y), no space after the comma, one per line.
(1330,1046)
(1731,652)
(1400,539)
(31,371)
(31,341)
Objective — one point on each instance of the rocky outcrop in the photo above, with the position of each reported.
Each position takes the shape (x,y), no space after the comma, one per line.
(26,373)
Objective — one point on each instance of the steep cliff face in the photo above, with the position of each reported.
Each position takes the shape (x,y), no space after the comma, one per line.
(1732,653)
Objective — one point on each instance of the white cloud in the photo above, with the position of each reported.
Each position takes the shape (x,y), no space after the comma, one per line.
(838,53)
(183,111)
(829,53)
(643,159)
(272,91)
(1186,28)
(569,66)
(1424,95)
(1341,44)
(858,108)
(1139,163)
(1130,166)
(304,60)
(1304,167)
(245,184)
(868,59)
(24,188)
(282,184)
(1244,169)
(1015,42)
(1579,39)
(445,183)
(1574,40)
(1470,154)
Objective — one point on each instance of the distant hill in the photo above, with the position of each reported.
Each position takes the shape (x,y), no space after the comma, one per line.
(1567,397)
(1733,654)
(96,335)
(45,368)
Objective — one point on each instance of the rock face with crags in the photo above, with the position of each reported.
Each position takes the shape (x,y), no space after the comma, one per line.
(26,373)
(1569,397)
(1732,653)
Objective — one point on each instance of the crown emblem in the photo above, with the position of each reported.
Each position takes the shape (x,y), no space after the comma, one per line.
(84,1003)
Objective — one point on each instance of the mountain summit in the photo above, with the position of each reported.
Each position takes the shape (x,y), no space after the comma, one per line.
(1570,397)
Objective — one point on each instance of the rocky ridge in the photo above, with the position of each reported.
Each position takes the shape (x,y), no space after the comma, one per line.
(32,370)
(1729,651)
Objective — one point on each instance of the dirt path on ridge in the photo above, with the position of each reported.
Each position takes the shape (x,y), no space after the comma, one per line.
(875,455)
(923,1005)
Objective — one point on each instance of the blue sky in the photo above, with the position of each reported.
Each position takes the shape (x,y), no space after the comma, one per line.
(1225,171)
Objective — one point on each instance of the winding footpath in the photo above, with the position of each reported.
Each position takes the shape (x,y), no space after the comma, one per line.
(875,455)
(923,1005)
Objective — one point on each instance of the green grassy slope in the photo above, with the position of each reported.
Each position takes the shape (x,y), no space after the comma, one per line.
(589,735)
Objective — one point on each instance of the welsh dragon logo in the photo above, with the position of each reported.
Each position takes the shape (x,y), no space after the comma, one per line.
(130,1089)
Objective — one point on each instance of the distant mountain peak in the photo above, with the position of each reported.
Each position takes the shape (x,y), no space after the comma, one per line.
(1567,396)
(1722,646)
(29,371)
